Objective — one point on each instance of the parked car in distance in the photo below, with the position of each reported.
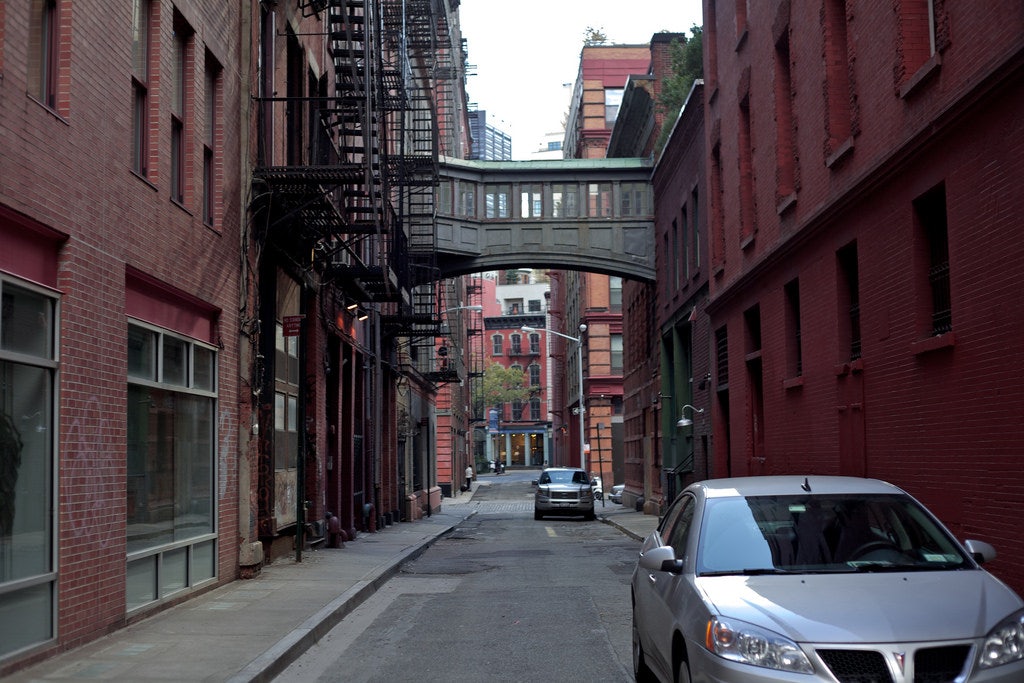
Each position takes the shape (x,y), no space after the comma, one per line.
(563,491)
(616,495)
(806,579)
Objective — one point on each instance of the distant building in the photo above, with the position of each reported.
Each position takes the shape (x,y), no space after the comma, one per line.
(489,142)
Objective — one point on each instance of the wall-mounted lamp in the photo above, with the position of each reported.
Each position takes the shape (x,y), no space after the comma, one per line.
(363,315)
(685,421)
(351,308)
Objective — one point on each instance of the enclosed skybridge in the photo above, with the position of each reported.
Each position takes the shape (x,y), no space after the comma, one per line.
(593,215)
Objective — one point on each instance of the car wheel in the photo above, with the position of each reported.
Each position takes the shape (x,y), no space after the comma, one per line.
(537,515)
(641,672)
(683,672)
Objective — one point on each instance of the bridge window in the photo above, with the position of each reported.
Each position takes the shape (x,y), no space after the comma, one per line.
(498,201)
(532,205)
(467,199)
(497,342)
(635,199)
(599,200)
(444,198)
(564,201)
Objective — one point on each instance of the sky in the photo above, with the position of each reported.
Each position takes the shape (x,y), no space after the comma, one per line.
(526,54)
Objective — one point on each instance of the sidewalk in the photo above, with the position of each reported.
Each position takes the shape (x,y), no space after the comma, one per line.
(250,630)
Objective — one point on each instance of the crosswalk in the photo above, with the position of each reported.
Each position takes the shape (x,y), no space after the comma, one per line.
(502,507)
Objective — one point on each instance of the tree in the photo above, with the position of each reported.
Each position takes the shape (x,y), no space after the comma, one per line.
(594,36)
(687,65)
(504,385)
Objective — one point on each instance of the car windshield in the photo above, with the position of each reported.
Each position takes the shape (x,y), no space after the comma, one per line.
(821,533)
(563,477)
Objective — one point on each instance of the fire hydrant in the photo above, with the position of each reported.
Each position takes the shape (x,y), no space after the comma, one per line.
(336,536)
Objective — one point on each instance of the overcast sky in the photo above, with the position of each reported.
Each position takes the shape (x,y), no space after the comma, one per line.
(527,53)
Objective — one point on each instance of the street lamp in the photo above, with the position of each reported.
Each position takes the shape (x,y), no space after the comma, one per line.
(476,308)
(685,421)
(579,352)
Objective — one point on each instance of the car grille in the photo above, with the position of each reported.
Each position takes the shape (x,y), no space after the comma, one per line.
(940,664)
(856,666)
(564,495)
(931,665)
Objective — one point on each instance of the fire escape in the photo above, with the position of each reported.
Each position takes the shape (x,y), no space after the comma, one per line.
(357,203)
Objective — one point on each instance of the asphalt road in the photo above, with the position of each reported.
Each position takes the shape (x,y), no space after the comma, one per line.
(501,598)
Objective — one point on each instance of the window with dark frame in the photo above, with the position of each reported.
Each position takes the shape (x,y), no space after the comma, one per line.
(210,134)
(140,86)
(849,300)
(43,51)
(181,45)
(794,351)
(930,209)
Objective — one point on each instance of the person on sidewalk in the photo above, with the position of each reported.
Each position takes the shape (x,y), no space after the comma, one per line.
(469,477)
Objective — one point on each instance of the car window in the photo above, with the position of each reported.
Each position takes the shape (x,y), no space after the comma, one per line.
(681,529)
(669,520)
(823,533)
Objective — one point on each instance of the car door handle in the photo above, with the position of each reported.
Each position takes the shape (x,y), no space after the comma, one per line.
(652,578)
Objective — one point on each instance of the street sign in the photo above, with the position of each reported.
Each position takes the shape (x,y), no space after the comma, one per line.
(292,325)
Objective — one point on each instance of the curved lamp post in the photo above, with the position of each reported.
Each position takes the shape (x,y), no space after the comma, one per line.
(579,353)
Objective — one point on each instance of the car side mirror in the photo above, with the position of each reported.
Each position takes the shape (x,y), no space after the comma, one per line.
(593,482)
(661,559)
(981,552)
(534,482)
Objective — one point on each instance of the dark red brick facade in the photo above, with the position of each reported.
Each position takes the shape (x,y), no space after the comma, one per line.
(833,350)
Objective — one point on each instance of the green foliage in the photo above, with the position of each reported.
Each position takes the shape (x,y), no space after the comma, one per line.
(594,36)
(687,65)
(503,385)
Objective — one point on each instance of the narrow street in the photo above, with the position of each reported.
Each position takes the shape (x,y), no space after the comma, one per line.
(516,599)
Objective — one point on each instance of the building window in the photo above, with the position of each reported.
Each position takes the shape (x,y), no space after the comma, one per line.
(44,33)
(180,91)
(444,198)
(722,358)
(746,161)
(498,201)
(615,340)
(755,381)
(694,214)
(916,22)
(683,246)
(535,409)
(564,201)
(517,344)
(614,293)
(785,159)
(211,137)
(849,301)
(717,190)
(28,365)
(496,345)
(533,305)
(599,200)
(140,86)
(837,76)
(517,409)
(534,374)
(531,203)
(930,209)
(534,343)
(172,391)
(612,102)
(794,354)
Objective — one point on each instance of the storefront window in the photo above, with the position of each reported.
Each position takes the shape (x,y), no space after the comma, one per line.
(27,367)
(171,433)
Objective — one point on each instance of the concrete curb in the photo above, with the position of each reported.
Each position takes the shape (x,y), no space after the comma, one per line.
(288,649)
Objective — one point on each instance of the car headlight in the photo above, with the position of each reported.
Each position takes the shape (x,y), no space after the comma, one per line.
(742,642)
(1004,643)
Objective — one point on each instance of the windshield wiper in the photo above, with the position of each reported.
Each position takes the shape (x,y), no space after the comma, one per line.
(879,567)
(751,571)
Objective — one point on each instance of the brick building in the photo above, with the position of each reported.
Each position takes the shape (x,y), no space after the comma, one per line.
(120,207)
(865,251)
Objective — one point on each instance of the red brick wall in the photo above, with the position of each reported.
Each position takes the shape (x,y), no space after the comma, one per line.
(940,415)
(70,170)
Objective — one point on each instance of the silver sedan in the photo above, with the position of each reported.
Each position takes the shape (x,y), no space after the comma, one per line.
(838,579)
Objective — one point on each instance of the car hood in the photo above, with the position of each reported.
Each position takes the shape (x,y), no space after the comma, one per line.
(865,608)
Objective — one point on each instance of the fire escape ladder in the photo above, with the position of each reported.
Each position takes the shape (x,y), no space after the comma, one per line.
(410,38)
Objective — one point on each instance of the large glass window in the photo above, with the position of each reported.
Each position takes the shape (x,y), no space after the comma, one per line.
(170,489)
(498,201)
(599,200)
(27,367)
(564,201)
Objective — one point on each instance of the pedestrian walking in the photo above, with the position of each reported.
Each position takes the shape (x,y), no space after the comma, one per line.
(469,477)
